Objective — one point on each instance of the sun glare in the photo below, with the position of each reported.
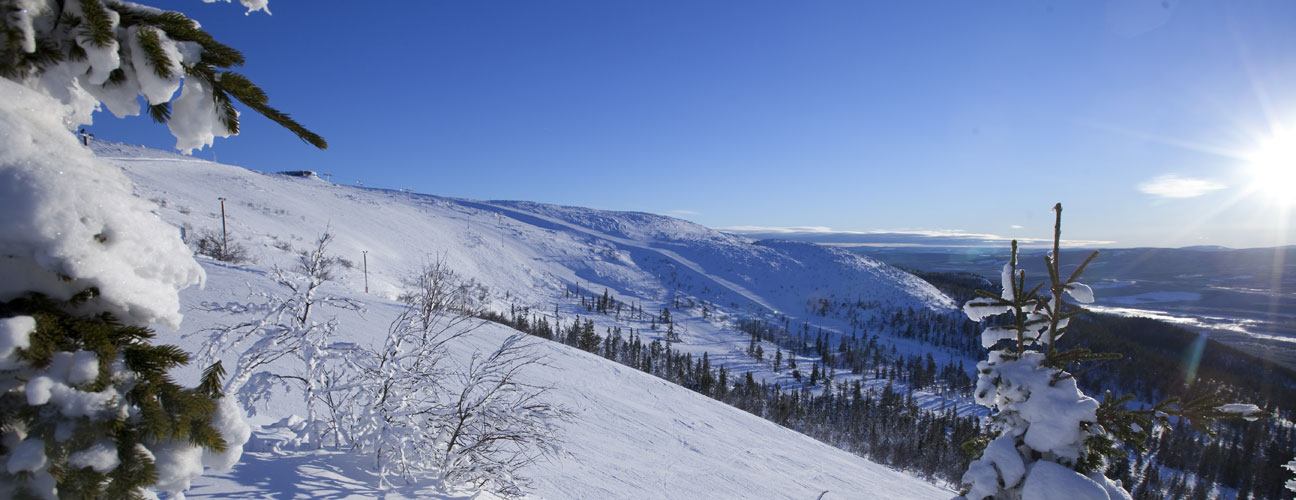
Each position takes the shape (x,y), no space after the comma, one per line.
(1273,169)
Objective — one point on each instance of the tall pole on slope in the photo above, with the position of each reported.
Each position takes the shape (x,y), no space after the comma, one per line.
(366,269)
(224,239)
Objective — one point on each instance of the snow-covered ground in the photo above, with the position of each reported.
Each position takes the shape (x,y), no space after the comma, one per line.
(635,436)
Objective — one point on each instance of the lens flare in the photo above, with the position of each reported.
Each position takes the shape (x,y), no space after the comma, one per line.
(1192,359)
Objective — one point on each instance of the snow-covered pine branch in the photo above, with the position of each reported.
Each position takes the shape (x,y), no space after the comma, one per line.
(87,52)
(1291,483)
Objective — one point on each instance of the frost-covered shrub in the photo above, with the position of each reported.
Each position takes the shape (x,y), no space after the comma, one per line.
(284,325)
(1048,439)
(493,423)
(218,247)
(437,289)
(283,245)
(418,414)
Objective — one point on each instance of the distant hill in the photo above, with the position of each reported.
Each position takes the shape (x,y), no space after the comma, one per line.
(1242,297)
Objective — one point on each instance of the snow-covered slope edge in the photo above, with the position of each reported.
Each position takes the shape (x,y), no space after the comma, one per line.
(781,273)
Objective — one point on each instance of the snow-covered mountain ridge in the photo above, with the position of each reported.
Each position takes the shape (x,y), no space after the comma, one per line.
(631,425)
(617,250)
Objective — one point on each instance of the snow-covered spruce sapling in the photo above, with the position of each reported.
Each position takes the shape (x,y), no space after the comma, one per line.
(284,325)
(84,52)
(1049,440)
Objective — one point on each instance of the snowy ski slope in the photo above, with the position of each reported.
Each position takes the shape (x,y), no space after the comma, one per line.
(635,436)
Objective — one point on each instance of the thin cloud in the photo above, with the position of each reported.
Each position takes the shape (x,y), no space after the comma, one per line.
(1017,226)
(777,229)
(681,212)
(1173,186)
(893,238)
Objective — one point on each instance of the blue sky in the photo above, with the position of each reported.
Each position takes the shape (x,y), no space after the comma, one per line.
(912,117)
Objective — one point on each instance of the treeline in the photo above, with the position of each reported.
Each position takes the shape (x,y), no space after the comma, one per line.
(948,330)
(887,427)
(1166,360)
(855,353)
(1245,456)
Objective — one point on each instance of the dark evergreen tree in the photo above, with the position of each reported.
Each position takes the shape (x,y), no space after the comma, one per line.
(587,340)
(97,397)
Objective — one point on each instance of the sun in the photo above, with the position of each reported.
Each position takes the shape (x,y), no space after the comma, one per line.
(1273,169)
